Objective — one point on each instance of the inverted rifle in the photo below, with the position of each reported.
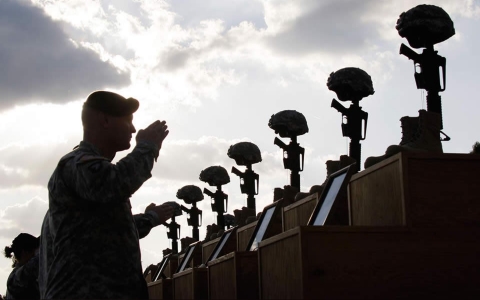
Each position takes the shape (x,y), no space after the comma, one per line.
(355,118)
(429,62)
(218,204)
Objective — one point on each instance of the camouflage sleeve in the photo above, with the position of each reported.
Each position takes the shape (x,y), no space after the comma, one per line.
(24,277)
(145,222)
(96,179)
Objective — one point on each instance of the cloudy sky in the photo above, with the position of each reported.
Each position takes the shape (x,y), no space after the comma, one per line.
(216,71)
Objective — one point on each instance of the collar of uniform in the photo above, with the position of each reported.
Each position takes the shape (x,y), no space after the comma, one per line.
(88,147)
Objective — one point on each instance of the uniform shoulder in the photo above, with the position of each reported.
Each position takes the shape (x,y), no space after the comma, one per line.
(85,158)
(67,157)
(81,156)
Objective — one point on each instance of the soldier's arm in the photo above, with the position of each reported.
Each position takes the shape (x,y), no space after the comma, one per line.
(145,222)
(99,181)
(154,215)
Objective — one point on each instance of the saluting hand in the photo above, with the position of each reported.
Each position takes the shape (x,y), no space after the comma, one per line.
(164,211)
(155,133)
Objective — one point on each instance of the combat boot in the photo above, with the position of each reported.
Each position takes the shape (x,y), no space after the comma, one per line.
(426,138)
(332,167)
(409,128)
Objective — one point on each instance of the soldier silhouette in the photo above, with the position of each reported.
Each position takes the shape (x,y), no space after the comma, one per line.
(89,245)
(22,281)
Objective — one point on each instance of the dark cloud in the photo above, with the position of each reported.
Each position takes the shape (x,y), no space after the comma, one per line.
(232,12)
(39,62)
(333,27)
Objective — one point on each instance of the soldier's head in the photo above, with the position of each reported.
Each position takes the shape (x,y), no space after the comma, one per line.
(107,120)
(23,248)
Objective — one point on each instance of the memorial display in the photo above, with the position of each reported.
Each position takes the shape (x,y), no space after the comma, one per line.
(192,194)
(352,84)
(290,123)
(423,26)
(217,176)
(246,154)
(173,227)
(403,227)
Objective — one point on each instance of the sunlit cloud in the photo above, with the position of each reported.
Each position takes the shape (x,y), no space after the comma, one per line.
(26,217)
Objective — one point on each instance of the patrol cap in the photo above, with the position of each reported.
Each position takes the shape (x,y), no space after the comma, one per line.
(111,103)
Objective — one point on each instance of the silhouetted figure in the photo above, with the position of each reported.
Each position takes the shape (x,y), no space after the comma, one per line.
(22,282)
(89,245)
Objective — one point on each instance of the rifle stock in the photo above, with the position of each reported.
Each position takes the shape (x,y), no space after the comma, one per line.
(207,192)
(340,108)
(405,50)
(237,172)
(279,143)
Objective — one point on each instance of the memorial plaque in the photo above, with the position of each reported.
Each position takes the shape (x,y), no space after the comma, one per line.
(267,225)
(225,245)
(161,268)
(332,207)
(188,257)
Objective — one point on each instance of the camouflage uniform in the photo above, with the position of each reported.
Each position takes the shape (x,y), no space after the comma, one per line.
(22,281)
(90,241)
